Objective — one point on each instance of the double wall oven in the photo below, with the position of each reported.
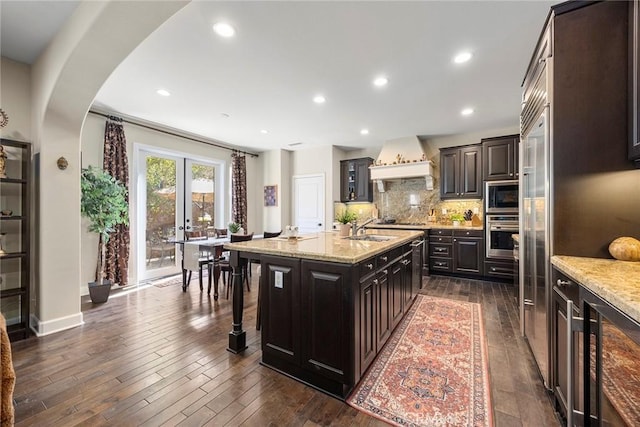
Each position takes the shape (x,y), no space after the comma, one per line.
(501,211)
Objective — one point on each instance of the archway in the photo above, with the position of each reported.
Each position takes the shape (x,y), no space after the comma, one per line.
(65,80)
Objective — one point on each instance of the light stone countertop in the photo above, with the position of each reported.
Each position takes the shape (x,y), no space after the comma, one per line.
(422,226)
(617,282)
(327,246)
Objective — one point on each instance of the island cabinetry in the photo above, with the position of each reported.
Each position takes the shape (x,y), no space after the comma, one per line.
(461,172)
(500,158)
(281,308)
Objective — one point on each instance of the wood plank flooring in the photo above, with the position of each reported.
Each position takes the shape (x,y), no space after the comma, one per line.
(157,357)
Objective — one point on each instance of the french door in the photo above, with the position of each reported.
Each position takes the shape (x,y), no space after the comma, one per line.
(175,194)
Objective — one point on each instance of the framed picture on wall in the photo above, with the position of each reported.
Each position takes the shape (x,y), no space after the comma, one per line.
(271,195)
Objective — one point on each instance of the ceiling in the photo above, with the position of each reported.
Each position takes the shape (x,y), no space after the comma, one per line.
(285,53)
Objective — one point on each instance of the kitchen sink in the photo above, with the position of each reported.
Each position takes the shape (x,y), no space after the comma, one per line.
(371,237)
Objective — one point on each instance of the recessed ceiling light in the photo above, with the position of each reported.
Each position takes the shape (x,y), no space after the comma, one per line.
(224,30)
(462,57)
(380,81)
(364,132)
(319,99)
(163,92)
(224,115)
(467,112)
(264,131)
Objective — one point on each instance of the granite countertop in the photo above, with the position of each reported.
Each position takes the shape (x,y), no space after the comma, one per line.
(327,246)
(422,226)
(617,282)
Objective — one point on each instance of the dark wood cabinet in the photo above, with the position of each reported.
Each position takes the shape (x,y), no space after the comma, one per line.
(281,308)
(468,251)
(355,182)
(634,82)
(324,322)
(456,251)
(325,316)
(15,235)
(461,172)
(500,158)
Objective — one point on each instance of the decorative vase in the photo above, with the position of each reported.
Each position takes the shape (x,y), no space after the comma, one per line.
(344,230)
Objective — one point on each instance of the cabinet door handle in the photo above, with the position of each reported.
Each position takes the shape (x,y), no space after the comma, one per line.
(375,281)
(384,258)
(570,350)
(455,240)
(562,283)
(369,266)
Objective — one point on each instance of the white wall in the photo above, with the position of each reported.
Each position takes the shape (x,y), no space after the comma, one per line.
(92,147)
(277,171)
(15,97)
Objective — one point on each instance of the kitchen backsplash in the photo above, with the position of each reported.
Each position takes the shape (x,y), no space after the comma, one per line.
(408,201)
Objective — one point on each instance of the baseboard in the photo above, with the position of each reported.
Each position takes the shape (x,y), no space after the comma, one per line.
(42,328)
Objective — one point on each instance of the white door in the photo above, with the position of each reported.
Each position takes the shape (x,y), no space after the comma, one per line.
(308,203)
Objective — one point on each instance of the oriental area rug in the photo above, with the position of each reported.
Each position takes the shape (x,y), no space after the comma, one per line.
(433,371)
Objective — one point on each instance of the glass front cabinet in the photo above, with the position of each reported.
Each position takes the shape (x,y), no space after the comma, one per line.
(15,173)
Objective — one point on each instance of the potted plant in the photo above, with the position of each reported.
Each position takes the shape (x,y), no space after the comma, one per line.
(456,219)
(104,204)
(234,228)
(345,217)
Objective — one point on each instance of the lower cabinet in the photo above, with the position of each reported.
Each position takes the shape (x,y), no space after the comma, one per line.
(456,251)
(324,323)
(595,352)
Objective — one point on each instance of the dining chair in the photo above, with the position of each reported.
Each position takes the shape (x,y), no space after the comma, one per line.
(221,232)
(225,266)
(265,235)
(205,257)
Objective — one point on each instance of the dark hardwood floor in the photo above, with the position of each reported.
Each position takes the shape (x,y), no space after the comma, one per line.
(158,357)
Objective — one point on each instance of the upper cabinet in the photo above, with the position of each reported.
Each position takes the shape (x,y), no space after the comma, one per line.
(500,158)
(355,182)
(461,172)
(634,82)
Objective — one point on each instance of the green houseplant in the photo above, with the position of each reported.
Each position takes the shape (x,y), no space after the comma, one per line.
(456,218)
(345,217)
(234,227)
(104,204)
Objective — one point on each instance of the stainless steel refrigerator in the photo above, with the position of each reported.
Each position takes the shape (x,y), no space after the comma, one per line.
(535,187)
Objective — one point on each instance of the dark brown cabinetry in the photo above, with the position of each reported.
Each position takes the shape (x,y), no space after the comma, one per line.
(324,323)
(500,158)
(355,182)
(14,238)
(594,350)
(468,251)
(461,172)
(634,82)
(456,251)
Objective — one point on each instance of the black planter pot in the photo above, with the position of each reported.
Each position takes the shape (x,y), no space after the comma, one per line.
(99,293)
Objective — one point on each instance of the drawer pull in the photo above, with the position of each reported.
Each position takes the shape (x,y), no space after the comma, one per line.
(384,258)
(369,266)
(375,281)
(562,283)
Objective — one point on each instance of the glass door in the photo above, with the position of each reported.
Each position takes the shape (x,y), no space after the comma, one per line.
(161,184)
(178,194)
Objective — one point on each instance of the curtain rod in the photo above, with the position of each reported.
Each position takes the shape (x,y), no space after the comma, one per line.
(202,141)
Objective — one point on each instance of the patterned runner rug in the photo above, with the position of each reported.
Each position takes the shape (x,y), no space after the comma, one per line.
(433,371)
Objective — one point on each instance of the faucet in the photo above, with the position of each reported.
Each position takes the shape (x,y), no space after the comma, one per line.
(355,227)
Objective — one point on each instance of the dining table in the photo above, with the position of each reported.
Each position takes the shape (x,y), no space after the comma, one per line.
(193,249)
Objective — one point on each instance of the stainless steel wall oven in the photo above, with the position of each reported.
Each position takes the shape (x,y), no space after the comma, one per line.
(499,229)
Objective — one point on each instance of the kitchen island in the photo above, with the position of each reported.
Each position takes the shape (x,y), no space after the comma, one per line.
(328,303)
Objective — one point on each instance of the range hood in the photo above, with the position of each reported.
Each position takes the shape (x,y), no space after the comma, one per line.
(389,164)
